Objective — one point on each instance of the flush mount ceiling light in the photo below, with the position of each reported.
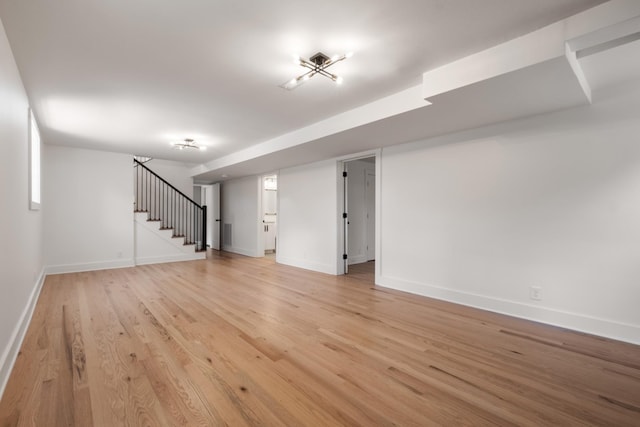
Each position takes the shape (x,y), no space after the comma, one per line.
(317,64)
(187,144)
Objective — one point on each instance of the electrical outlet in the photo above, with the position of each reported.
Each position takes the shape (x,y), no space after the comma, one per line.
(535,293)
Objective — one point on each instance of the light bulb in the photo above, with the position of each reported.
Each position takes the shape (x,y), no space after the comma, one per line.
(339,80)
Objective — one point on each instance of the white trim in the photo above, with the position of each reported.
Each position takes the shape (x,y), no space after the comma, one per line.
(171,258)
(340,161)
(245,252)
(359,155)
(389,106)
(10,353)
(378,263)
(90,266)
(308,265)
(575,321)
(340,165)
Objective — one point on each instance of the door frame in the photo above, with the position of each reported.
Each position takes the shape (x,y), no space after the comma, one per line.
(370,241)
(261,244)
(213,223)
(341,202)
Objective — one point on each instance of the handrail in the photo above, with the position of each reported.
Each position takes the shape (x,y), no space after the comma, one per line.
(165,181)
(165,203)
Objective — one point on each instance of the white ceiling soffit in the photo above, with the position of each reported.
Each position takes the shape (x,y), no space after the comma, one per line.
(599,72)
(402,102)
(611,55)
(551,85)
(533,74)
(134,76)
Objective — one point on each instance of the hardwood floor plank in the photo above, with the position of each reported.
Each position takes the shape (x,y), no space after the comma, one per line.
(239,341)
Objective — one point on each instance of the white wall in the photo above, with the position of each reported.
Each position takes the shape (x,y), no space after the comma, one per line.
(21,257)
(241,208)
(357,209)
(175,173)
(197,194)
(89,209)
(550,201)
(307,217)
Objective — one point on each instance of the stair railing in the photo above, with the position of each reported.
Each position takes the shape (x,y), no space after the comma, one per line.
(171,207)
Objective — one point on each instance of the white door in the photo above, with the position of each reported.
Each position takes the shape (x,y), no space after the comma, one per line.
(211,199)
(370,204)
(345,219)
(215,211)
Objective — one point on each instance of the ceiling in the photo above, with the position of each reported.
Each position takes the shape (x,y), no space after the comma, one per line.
(134,76)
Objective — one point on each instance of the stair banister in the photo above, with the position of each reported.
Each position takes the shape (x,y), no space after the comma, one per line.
(165,203)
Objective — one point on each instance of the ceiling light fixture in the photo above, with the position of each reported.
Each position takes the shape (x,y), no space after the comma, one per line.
(188,143)
(142,159)
(317,64)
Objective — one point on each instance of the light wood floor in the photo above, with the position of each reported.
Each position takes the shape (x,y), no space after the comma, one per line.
(239,341)
(365,271)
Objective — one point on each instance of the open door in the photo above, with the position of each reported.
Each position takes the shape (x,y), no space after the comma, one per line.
(358,213)
(345,219)
(211,199)
(269,212)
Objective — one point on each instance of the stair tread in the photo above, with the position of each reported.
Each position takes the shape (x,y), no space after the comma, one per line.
(153,216)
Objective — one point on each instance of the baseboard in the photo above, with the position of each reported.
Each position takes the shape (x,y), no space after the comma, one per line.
(171,258)
(575,321)
(307,265)
(90,266)
(11,352)
(240,251)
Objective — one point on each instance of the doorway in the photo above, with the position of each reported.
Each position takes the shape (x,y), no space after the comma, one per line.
(270,213)
(210,197)
(359,217)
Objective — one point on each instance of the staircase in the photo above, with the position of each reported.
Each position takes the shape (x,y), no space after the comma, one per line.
(170,226)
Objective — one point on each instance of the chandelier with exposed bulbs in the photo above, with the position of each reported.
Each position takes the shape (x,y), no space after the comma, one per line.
(317,65)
